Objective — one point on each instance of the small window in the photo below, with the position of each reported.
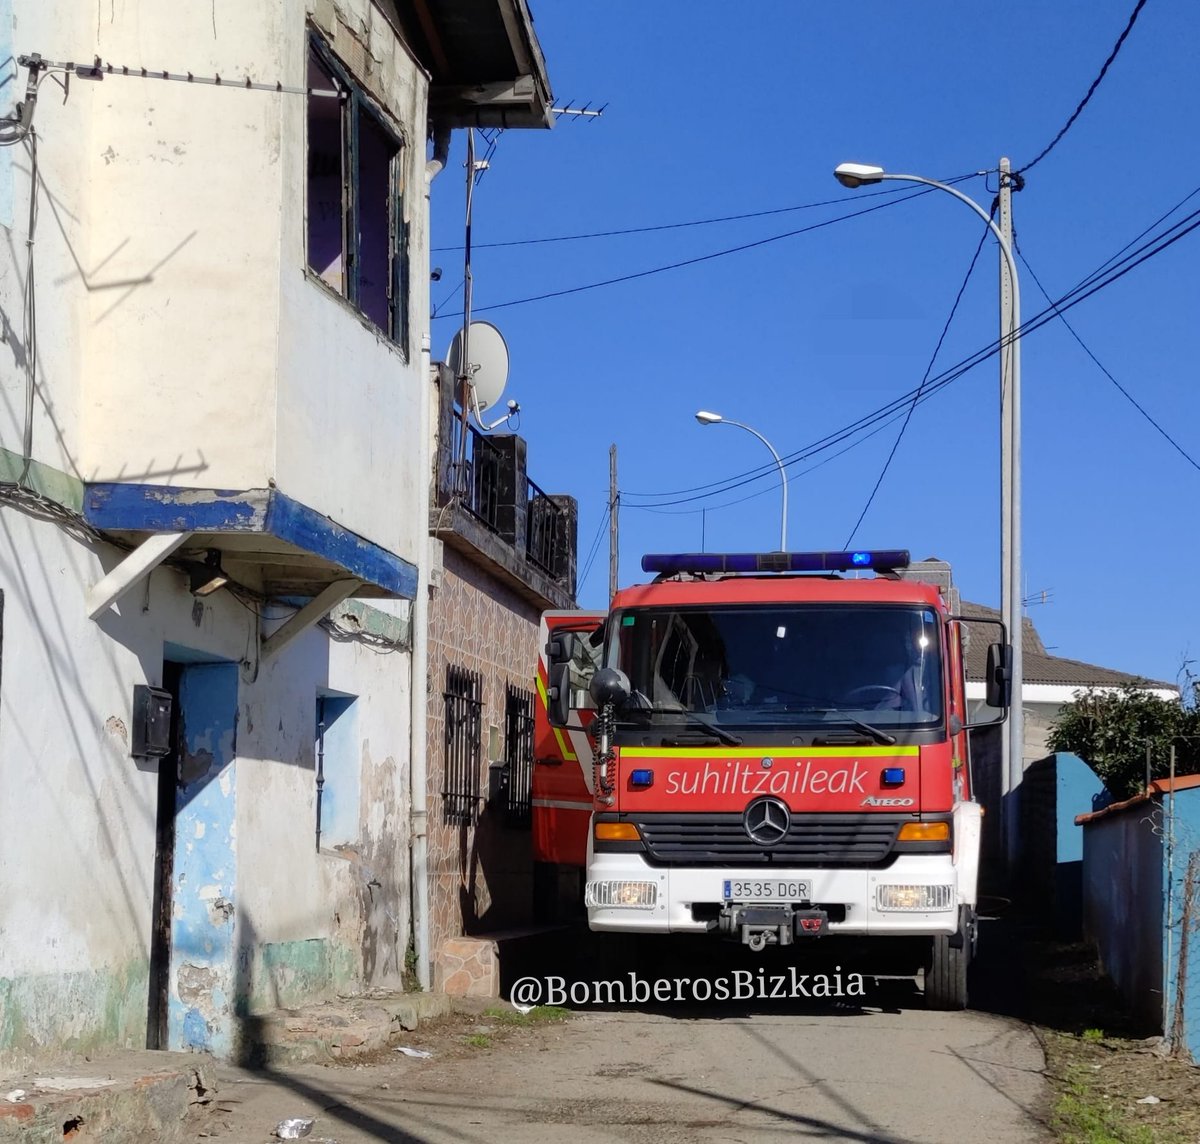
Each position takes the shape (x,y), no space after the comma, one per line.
(337,771)
(357,241)
(463,699)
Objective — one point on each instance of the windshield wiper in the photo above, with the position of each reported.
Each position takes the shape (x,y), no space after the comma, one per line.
(849,720)
(878,735)
(720,732)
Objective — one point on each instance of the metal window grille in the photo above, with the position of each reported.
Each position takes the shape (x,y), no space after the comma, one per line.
(518,755)
(464,744)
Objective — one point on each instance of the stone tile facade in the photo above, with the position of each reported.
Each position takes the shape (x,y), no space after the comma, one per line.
(481,872)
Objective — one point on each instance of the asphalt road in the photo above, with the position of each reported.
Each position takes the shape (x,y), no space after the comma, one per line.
(878,1068)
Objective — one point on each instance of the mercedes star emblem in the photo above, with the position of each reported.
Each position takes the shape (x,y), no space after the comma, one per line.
(767,821)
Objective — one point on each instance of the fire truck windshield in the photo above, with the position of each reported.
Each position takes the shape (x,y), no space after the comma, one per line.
(782,666)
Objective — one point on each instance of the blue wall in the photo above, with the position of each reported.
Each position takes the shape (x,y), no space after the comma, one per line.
(1123,903)
(1181,841)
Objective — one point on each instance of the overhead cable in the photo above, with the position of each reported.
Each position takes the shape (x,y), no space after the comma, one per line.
(1084,290)
(651,229)
(920,388)
(699,258)
(1100,365)
(1090,91)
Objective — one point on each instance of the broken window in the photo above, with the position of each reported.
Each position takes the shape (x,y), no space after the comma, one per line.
(357,240)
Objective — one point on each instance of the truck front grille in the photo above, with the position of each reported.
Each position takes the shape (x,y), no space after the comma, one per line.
(822,840)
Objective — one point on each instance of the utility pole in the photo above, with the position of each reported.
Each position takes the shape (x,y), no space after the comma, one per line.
(1012,733)
(612,521)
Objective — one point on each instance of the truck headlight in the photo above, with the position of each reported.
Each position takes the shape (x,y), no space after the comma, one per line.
(919,899)
(623,893)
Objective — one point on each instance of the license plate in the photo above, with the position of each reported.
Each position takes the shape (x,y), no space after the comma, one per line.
(767,890)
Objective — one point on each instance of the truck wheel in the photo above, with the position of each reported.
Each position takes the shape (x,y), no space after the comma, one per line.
(947,966)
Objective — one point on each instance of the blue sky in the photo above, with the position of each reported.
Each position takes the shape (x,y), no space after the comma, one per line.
(711,116)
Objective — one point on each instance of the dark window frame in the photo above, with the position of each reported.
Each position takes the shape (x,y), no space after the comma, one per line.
(462,760)
(355,104)
(518,756)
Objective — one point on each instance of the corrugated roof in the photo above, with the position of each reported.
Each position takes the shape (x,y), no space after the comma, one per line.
(1038,665)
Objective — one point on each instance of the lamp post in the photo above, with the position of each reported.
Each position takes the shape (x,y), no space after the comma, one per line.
(1013,731)
(706,418)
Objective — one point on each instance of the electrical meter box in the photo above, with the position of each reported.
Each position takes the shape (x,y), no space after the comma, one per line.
(151,732)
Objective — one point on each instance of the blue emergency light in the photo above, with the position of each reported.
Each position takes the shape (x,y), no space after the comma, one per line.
(641,777)
(892,776)
(673,564)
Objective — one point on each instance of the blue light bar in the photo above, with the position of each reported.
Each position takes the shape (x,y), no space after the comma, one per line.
(672,564)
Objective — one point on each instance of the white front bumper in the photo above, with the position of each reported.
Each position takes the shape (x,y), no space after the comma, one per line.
(681,887)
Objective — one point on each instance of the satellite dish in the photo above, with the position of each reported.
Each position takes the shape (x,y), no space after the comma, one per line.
(487,365)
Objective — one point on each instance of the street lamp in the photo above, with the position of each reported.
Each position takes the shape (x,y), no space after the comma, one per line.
(706,418)
(1013,732)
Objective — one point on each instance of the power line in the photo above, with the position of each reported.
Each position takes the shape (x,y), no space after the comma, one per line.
(1090,91)
(595,546)
(728,483)
(678,225)
(1084,290)
(917,396)
(1127,395)
(763,492)
(699,258)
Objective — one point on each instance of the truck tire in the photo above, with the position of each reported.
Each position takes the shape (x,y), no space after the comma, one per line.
(948,965)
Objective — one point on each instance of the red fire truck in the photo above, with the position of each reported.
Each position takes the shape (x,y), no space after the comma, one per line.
(770,748)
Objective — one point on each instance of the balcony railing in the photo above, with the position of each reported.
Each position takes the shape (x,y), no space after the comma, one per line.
(476,475)
(486,475)
(545,528)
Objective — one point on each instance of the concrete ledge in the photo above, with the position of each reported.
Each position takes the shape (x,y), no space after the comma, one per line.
(125,1098)
(338,1030)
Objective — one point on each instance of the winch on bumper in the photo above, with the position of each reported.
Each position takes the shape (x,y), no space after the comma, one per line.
(761,925)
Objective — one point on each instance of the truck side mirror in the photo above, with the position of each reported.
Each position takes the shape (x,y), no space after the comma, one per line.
(558,693)
(558,650)
(998,680)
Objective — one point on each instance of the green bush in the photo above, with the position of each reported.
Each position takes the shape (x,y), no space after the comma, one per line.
(1110,730)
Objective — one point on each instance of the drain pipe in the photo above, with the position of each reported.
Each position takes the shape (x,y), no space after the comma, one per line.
(419,683)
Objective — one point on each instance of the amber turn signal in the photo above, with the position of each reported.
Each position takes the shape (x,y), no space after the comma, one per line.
(924,832)
(616,832)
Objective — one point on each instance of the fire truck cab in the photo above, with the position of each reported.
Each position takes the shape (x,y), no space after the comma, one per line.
(768,748)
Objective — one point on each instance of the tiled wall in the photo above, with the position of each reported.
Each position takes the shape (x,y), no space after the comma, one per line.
(480,875)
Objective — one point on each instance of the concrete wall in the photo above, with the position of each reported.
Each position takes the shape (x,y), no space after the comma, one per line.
(1123,903)
(1054,790)
(261,918)
(182,340)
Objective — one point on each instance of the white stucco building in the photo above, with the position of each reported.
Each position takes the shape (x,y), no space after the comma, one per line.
(215,420)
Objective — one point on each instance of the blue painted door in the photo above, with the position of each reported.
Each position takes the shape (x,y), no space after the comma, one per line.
(204,879)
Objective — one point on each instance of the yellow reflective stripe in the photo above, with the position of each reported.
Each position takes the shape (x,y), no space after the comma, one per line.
(771,752)
(563,744)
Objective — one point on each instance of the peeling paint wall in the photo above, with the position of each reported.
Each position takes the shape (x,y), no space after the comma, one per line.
(181,339)
(204,891)
(254,898)
(182,342)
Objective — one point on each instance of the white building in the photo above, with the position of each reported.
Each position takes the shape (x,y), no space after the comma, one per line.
(214,449)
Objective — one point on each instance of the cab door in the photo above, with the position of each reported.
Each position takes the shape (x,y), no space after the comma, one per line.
(562,755)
